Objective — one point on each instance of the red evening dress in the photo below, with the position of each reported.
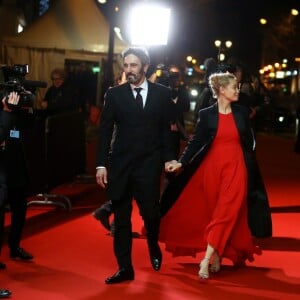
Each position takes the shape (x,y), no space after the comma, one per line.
(212,208)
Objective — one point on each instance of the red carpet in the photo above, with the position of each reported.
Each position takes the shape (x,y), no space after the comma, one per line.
(73,253)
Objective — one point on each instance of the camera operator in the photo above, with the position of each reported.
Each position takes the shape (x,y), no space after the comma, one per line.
(6,124)
(14,118)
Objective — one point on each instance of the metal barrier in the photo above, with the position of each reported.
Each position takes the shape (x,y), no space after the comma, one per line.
(55,153)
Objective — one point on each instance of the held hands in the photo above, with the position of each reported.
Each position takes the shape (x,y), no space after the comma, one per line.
(101,177)
(172,166)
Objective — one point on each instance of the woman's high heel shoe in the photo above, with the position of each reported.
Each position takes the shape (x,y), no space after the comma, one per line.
(203,272)
(215,267)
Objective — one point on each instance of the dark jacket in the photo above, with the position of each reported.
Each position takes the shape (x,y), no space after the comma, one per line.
(6,123)
(60,99)
(141,136)
(13,154)
(259,217)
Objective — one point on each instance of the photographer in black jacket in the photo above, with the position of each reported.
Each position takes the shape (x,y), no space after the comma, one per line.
(14,118)
(6,125)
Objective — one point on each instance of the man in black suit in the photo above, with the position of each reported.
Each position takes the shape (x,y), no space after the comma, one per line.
(131,166)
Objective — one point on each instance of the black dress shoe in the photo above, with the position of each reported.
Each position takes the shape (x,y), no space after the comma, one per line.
(20,253)
(101,214)
(123,274)
(155,256)
(2,266)
(4,293)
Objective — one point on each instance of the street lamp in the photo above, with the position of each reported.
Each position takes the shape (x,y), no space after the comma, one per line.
(219,44)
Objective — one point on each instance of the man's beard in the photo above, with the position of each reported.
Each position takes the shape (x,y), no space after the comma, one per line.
(133,78)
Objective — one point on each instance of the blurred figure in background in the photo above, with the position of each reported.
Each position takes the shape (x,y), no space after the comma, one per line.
(172,77)
(60,95)
(205,98)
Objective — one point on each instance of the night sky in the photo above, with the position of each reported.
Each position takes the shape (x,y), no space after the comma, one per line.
(196,24)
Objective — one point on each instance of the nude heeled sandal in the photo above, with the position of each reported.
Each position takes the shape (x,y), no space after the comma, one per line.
(215,267)
(204,265)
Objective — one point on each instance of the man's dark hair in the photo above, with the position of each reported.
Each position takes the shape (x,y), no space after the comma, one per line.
(140,52)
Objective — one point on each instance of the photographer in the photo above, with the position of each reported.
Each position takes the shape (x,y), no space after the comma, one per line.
(13,169)
(6,124)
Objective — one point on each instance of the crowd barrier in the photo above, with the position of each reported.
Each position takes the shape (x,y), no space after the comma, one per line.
(55,154)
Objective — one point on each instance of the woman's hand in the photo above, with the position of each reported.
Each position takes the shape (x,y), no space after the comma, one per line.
(173,166)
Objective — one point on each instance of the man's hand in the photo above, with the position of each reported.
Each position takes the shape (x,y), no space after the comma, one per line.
(172,166)
(101,177)
(13,99)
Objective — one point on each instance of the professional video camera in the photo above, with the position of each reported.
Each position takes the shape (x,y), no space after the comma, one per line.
(13,80)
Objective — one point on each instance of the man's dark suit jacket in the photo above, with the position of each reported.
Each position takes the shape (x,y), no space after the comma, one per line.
(139,135)
(259,217)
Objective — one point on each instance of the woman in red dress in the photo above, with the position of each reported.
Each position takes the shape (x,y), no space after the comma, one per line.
(215,195)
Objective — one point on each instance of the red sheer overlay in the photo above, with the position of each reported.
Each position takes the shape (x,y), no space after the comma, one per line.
(212,208)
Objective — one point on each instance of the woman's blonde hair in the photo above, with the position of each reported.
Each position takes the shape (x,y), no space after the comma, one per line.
(217,80)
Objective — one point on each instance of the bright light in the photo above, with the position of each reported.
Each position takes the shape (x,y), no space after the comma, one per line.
(294,12)
(193,105)
(96,69)
(263,21)
(144,30)
(228,44)
(194,93)
(280,74)
(20,28)
(102,1)
(222,56)
(218,43)
(117,31)
(190,71)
